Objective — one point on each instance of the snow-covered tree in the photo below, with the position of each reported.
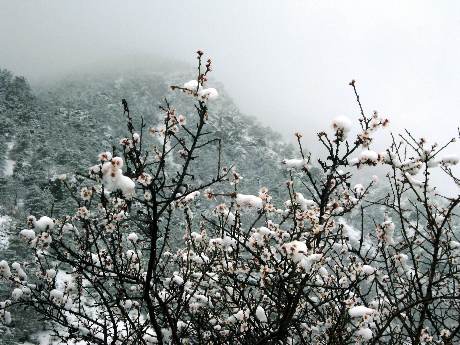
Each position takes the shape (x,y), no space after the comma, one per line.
(334,264)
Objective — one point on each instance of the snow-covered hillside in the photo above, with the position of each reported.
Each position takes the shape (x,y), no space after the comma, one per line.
(60,129)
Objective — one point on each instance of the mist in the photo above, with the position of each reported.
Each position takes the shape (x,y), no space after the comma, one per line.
(286,62)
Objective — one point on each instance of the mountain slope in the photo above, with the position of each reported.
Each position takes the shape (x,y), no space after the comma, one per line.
(60,129)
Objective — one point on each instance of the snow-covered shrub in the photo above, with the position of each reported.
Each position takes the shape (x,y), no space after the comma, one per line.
(333,264)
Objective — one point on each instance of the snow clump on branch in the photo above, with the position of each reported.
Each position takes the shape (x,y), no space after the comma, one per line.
(196,89)
(295,163)
(249,201)
(341,125)
(113,178)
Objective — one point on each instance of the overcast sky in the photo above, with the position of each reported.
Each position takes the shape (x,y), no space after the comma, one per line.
(287,62)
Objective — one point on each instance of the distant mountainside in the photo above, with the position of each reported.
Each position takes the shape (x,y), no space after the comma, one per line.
(62,127)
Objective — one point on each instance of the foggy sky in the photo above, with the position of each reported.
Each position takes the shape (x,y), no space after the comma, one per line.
(287,62)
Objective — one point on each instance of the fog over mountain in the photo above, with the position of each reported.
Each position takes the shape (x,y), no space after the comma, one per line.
(286,62)
(195,215)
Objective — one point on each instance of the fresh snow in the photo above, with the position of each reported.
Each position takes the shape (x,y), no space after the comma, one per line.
(8,168)
(367,269)
(249,201)
(27,234)
(368,156)
(260,313)
(133,237)
(191,85)
(360,311)
(209,93)
(342,126)
(113,178)
(5,222)
(294,163)
(365,333)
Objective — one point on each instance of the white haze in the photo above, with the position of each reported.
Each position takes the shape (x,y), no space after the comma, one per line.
(287,62)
